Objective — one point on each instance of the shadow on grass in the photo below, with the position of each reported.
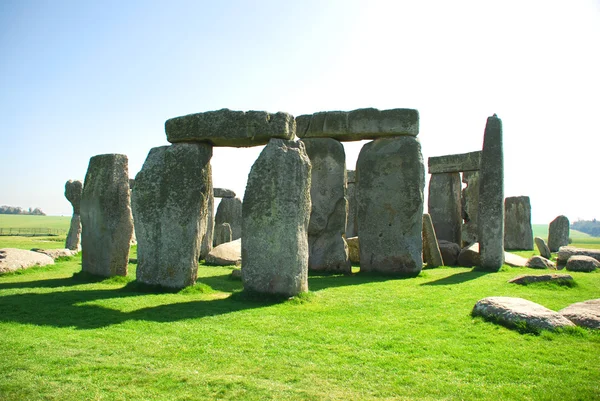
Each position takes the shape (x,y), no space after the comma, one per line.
(320,281)
(459,278)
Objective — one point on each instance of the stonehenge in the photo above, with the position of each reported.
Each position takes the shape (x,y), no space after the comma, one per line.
(518,233)
(73,190)
(558,233)
(229,211)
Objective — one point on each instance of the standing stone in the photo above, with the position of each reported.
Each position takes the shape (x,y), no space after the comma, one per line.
(391,180)
(276,212)
(327,247)
(542,248)
(106,222)
(558,233)
(208,223)
(351,226)
(445,207)
(73,190)
(518,234)
(431,250)
(470,207)
(230,211)
(222,234)
(170,207)
(491,197)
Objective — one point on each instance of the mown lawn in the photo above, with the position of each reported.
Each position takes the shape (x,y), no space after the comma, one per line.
(26,221)
(69,337)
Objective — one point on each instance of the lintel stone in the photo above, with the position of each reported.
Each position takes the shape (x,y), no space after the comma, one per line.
(223,193)
(455,163)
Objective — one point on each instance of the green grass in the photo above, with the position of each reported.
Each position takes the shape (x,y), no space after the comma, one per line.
(68,336)
(25,221)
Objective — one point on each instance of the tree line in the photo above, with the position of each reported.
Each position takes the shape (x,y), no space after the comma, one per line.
(17,210)
(591,227)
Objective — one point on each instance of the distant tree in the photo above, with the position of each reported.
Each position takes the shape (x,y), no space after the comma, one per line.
(591,227)
(17,210)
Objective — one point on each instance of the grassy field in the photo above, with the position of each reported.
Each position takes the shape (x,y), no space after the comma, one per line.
(541,230)
(24,221)
(69,337)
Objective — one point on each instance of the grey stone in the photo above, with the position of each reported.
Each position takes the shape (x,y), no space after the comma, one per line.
(326,245)
(469,256)
(518,233)
(431,250)
(450,252)
(276,211)
(558,233)
(358,124)
(229,253)
(223,193)
(353,249)
(584,314)
(207,230)
(73,191)
(106,222)
(131,183)
(454,163)
(230,211)
(223,234)
(444,206)
(236,274)
(525,279)
(12,259)
(351,223)
(540,262)
(565,253)
(582,263)
(391,180)
(231,128)
(170,207)
(470,207)
(491,197)
(513,311)
(514,260)
(542,248)
(56,253)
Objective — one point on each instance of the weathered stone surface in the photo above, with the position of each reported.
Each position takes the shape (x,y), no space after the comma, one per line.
(444,206)
(226,254)
(236,274)
(539,278)
(431,250)
(450,252)
(565,252)
(470,207)
(558,233)
(12,259)
(491,197)
(540,262)
(223,193)
(231,128)
(358,124)
(391,180)
(542,248)
(351,223)
(326,245)
(582,263)
(106,222)
(73,191)
(514,260)
(584,314)
(223,234)
(131,183)
(276,211)
(170,207)
(56,253)
(454,163)
(353,249)
(207,230)
(518,233)
(230,211)
(514,311)
(469,256)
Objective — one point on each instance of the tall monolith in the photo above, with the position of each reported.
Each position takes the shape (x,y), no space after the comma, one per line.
(73,190)
(275,216)
(106,222)
(558,233)
(170,207)
(444,204)
(208,223)
(491,197)
(470,207)
(518,232)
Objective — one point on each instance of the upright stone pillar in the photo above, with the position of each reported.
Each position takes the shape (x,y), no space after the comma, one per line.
(209,222)
(351,226)
(275,216)
(230,211)
(222,234)
(558,233)
(445,206)
(391,180)
(327,247)
(518,233)
(491,197)
(73,190)
(470,207)
(106,223)
(431,250)
(170,207)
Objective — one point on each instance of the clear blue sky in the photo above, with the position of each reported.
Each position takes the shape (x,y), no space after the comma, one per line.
(80,78)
